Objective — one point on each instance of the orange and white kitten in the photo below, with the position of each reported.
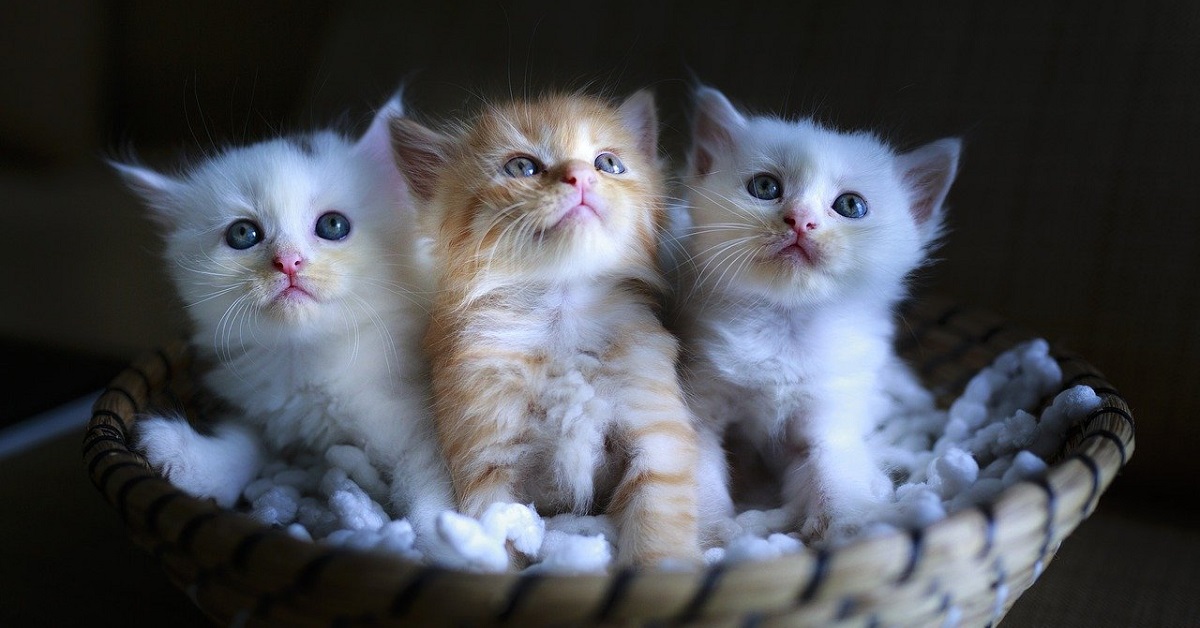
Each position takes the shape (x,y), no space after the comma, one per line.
(554,380)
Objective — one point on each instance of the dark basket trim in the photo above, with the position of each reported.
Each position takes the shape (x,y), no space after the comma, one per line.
(121,500)
(520,589)
(192,527)
(820,569)
(712,577)
(305,578)
(156,507)
(404,599)
(846,608)
(752,620)
(312,570)
(989,529)
(1001,576)
(245,548)
(1087,460)
(95,462)
(620,583)
(992,332)
(117,466)
(111,415)
(1078,379)
(916,547)
(1111,436)
(1098,412)
(119,390)
(1043,482)
(91,441)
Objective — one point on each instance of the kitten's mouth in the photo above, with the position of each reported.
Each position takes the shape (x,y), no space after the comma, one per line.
(799,251)
(580,213)
(293,293)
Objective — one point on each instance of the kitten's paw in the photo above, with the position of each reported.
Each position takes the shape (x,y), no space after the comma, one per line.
(217,466)
(830,514)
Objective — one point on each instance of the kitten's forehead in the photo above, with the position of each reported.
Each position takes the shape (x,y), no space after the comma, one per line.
(553,124)
(806,148)
(283,182)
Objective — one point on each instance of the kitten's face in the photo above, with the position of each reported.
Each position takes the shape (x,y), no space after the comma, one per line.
(558,187)
(797,213)
(286,239)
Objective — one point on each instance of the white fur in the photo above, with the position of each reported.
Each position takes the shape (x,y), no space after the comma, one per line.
(800,354)
(216,465)
(341,367)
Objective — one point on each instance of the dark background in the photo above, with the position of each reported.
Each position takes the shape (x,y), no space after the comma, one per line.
(1074,214)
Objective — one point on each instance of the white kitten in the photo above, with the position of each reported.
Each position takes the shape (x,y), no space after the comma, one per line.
(799,245)
(297,260)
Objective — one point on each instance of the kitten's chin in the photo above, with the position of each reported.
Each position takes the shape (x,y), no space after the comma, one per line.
(790,279)
(580,217)
(292,305)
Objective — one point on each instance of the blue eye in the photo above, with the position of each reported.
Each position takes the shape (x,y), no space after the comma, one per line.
(243,234)
(850,205)
(521,166)
(609,163)
(764,187)
(333,226)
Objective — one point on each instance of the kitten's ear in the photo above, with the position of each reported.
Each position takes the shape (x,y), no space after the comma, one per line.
(713,125)
(640,116)
(158,190)
(376,141)
(927,172)
(420,153)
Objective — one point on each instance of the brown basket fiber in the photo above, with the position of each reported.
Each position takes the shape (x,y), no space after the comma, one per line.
(968,568)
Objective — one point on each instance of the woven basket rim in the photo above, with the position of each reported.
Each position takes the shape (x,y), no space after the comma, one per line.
(190,532)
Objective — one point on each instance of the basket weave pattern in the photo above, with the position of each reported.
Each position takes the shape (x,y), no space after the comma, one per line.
(969,567)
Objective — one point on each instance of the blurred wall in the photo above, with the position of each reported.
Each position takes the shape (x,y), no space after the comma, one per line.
(1074,214)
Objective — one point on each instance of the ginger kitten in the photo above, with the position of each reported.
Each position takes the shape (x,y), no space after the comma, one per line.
(554,381)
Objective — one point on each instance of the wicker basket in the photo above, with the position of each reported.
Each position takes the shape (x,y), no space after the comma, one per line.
(968,568)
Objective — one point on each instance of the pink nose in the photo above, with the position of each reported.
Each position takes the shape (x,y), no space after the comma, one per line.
(289,263)
(579,175)
(801,222)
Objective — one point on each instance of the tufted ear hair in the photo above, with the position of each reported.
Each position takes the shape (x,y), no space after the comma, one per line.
(421,153)
(928,172)
(376,140)
(714,121)
(159,191)
(639,115)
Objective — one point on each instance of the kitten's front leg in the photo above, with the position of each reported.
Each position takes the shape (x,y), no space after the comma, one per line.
(482,418)
(655,503)
(219,465)
(833,485)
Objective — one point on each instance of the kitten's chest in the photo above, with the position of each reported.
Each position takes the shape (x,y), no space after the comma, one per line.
(761,349)
(287,394)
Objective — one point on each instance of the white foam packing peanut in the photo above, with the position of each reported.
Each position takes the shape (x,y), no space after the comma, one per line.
(945,461)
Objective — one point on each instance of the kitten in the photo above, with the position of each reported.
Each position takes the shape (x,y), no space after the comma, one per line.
(800,241)
(297,261)
(554,380)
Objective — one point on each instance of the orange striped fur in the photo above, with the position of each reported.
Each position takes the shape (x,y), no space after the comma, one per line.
(554,380)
